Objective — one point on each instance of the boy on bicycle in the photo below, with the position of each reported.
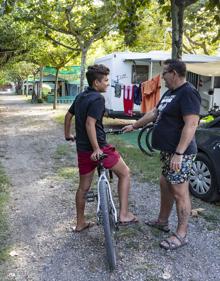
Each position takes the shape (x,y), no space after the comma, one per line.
(88,109)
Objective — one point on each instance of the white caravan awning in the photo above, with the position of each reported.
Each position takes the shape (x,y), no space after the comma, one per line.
(205,69)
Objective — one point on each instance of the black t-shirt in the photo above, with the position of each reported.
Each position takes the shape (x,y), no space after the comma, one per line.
(88,103)
(172,107)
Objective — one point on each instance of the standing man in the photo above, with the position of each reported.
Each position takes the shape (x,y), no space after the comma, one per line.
(176,119)
(89,108)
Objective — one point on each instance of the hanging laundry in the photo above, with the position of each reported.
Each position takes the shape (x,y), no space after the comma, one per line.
(150,93)
(137,94)
(128,99)
(117,90)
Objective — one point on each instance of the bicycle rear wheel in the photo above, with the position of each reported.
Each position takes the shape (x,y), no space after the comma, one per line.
(108,225)
(142,140)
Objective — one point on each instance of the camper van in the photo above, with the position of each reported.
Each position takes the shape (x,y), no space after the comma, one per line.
(132,68)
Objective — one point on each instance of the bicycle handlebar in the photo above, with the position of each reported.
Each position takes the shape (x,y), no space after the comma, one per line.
(114,132)
(102,156)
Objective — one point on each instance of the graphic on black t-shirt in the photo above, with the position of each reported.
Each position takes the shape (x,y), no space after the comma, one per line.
(164,102)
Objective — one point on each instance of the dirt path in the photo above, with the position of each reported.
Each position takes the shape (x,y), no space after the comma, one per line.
(41,212)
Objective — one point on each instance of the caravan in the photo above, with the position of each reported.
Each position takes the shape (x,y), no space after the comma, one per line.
(130,68)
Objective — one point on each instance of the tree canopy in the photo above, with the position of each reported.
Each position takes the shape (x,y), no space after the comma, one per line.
(32,30)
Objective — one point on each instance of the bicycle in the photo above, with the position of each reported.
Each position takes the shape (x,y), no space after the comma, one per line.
(106,213)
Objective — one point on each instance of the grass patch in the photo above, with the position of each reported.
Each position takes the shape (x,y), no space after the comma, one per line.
(4,195)
(68,172)
(148,168)
(59,118)
(211,217)
(61,151)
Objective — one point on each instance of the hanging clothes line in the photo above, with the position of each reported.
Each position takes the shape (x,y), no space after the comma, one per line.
(150,93)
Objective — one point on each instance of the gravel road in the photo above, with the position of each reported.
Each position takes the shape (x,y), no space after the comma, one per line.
(41,212)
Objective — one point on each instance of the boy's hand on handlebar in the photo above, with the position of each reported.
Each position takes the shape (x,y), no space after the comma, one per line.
(70,138)
(95,155)
(128,128)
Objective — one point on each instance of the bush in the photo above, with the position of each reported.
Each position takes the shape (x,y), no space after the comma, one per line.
(39,100)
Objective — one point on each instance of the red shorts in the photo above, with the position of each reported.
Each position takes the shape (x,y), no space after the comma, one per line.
(87,165)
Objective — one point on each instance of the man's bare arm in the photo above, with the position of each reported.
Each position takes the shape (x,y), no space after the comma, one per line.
(188,132)
(147,118)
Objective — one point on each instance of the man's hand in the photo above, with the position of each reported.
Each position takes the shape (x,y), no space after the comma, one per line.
(176,162)
(95,154)
(128,128)
(70,138)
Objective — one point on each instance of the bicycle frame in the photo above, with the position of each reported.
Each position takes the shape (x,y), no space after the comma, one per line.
(104,177)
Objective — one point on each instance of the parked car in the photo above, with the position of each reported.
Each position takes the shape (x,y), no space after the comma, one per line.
(205,175)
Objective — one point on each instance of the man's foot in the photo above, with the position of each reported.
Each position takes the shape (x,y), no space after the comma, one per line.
(130,219)
(163,226)
(83,227)
(174,242)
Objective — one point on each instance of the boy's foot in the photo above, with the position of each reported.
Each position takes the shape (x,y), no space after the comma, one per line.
(130,219)
(83,227)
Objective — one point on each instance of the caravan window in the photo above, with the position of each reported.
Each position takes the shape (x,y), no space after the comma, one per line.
(192,78)
(139,73)
(217,82)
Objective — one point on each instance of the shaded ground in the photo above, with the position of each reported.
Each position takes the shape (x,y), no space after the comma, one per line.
(41,212)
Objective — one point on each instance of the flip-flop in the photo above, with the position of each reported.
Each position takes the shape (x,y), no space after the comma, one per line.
(125,223)
(87,225)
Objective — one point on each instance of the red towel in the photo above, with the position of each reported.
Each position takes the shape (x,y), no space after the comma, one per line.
(128,99)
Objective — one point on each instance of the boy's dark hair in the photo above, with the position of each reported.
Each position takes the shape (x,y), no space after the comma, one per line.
(177,65)
(96,72)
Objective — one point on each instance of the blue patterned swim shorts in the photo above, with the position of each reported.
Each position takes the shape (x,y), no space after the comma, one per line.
(176,177)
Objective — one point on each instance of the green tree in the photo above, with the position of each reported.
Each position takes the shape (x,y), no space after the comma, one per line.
(73,24)
(59,58)
(201,28)
(12,41)
(18,72)
(188,10)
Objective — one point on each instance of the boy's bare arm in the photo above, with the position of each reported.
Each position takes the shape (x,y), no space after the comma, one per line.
(91,132)
(67,126)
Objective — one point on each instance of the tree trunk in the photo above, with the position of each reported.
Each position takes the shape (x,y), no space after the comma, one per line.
(39,94)
(27,87)
(82,71)
(55,90)
(22,87)
(177,12)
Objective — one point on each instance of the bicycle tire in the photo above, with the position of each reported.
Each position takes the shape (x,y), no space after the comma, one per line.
(107,225)
(148,140)
(143,130)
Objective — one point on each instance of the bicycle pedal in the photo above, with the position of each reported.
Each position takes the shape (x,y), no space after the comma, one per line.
(117,226)
(90,196)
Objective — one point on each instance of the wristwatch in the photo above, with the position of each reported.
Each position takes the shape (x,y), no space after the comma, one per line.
(178,153)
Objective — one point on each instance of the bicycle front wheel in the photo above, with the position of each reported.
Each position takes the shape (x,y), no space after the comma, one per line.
(108,225)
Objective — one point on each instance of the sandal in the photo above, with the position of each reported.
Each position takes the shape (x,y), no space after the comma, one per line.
(173,245)
(156,224)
